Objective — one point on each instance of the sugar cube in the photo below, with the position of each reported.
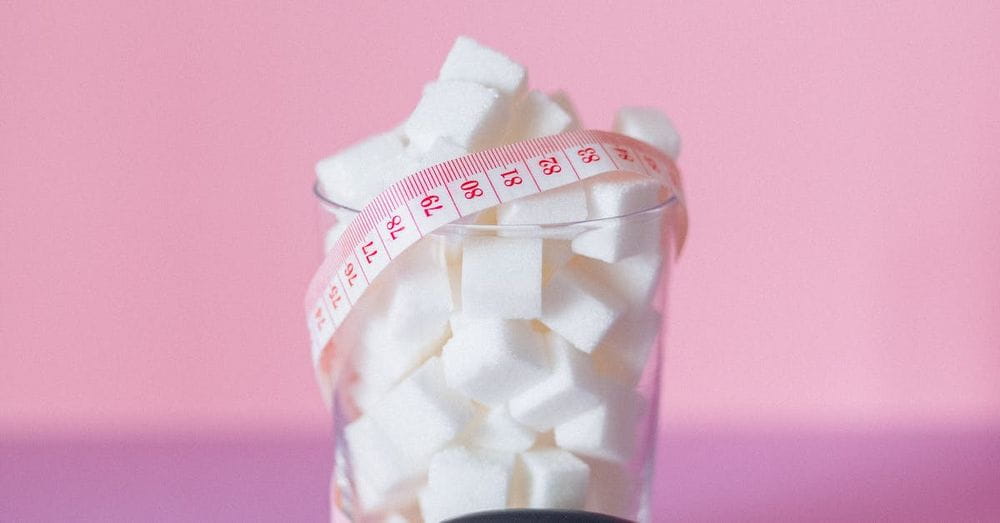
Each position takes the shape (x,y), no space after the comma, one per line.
(553,479)
(419,303)
(396,517)
(568,390)
(450,248)
(613,241)
(562,205)
(492,360)
(579,309)
(369,388)
(400,167)
(537,115)
(555,255)
(383,360)
(381,475)
(613,490)
(356,174)
(497,430)
(441,150)
(409,315)
(619,194)
(562,98)
(471,116)
(502,277)
(624,353)
(461,481)
(607,431)
(471,61)
(422,414)
(633,279)
(651,126)
(459,322)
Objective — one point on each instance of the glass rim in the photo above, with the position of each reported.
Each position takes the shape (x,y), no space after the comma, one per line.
(671,201)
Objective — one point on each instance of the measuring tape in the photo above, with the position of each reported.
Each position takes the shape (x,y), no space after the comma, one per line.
(441,194)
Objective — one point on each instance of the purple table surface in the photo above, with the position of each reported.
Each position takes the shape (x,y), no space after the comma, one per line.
(705,475)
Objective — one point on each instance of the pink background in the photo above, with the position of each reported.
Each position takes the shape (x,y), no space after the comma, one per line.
(842,274)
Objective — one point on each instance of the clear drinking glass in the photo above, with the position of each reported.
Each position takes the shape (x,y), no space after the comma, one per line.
(603,404)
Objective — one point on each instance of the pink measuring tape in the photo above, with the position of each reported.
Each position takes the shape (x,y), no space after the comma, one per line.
(438,195)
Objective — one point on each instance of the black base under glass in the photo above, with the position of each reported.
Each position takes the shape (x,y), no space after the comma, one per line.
(539,516)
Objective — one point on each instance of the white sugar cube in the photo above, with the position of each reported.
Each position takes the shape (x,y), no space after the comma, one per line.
(611,242)
(450,251)
(537,115)
(419,303)
(451,248)
(484,217)
(651,126)
(422,414)
(409,320)
(455,280)
(382,476)
(492,360)
(613,490)
(399,167)
(396,517)
(461,481)
(553,479)
(400,321)
(633,279)
(502,277)
(497,430)
(435,506)
(471,61)
(368,390)
(606,432)
(380,367)
(459,322)
(562,98)
(356,174)
(579,309)
(555,255)
(563,205)
(471,116)
(358,157)
(619,194)
(567,391)
(624,353)
(440,151)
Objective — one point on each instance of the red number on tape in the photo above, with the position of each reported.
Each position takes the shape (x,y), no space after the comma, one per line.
(320,320)
(651,162)
(588,155)
(428,204)
(513,180)
(334,295)
(350,274)
(550,166)
(370,251)
(472,189)
(394,226)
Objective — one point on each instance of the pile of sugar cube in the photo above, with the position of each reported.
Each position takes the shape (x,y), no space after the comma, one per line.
(499,369)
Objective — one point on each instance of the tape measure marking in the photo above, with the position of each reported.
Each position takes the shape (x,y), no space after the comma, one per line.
(441,194)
